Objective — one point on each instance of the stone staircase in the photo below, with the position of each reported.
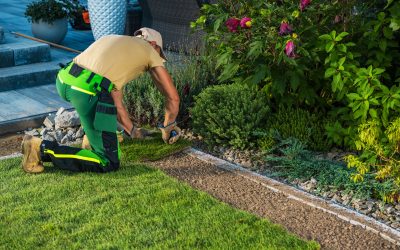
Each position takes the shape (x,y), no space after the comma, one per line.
(27,82)
(25,63)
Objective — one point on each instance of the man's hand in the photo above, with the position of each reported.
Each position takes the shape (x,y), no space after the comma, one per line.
(171,133)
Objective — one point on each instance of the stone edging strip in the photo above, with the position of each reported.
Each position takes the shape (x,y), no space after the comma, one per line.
(13,155)
(290,192)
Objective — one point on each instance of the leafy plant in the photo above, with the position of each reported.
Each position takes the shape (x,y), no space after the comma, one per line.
(230,114)
(291,160)
(365,75)
(380,157)
(277,51)
(50,10)
(297,123)
(190,74)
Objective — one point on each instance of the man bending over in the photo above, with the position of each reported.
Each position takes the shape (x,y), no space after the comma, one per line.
(93,84)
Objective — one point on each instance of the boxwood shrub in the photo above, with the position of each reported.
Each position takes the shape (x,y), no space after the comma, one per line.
(230,114)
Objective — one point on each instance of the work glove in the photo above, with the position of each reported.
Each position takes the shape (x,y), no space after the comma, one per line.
(170,133)
(139,133)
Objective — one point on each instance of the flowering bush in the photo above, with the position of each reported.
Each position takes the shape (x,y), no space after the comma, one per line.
(273,44)
(332,57)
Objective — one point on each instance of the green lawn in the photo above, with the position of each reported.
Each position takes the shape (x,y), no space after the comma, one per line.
(135,207)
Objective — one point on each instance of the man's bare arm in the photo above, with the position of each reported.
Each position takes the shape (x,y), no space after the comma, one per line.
(164,83)
(122,113)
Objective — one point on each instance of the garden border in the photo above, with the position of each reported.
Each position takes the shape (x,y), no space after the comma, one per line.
(308,199)
(13,155)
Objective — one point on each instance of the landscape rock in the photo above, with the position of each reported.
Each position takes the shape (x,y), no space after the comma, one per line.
(79,133)
(337,198)
(309,185)
(389,209)
(32,132)
(67,119)
(59,135)
(60,111)
(395,225)
(49,122)
(246,164)
(67,137)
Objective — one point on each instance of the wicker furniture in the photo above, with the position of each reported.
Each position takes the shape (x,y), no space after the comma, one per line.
(172,19)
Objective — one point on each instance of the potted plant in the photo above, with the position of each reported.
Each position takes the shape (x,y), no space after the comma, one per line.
(49,19)
(79,15)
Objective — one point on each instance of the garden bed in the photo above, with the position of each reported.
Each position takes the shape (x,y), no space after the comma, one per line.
(346,193)
(247,193)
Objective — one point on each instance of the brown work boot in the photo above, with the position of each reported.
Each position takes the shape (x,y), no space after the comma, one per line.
(31,162)
(86,143)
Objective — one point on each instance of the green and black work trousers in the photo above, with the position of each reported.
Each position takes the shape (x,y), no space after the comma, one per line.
(90,95)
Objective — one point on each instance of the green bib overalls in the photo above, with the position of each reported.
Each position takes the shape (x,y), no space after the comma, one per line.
(89,94)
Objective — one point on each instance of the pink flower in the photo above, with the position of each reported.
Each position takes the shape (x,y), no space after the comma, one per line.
(289,49)
(232,24)
(304,4)
(285,29)
(245,22)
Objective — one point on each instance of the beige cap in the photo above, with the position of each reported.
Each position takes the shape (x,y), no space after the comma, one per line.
(151,35)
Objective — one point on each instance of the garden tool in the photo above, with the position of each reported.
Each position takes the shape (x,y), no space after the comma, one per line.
(170,133)
(31,162)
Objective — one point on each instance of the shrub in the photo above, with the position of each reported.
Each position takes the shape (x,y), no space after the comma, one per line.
(143,101)
(190,75)
(339,56)
(50,10)
(293,161)
(230,114)
(297,123)
(380,157)
(277,47)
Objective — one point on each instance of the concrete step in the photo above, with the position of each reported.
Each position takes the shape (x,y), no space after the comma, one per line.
(24,108)
(25,76)
(17,52)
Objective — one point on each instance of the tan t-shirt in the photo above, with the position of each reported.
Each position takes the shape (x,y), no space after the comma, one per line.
(119,58)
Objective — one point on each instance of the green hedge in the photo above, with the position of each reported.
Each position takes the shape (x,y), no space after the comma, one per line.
(230,114)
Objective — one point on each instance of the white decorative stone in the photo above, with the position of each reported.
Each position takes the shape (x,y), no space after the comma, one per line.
(79,133)
(59,135)
(60,110)
(32,132)
(67,119)
(49,121)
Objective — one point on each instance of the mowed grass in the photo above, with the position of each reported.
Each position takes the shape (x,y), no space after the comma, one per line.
(135,207)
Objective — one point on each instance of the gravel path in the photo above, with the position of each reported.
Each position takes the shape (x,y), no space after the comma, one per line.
(243,193)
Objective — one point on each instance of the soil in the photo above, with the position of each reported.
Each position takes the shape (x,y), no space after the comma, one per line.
(299,218)
(10,143)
